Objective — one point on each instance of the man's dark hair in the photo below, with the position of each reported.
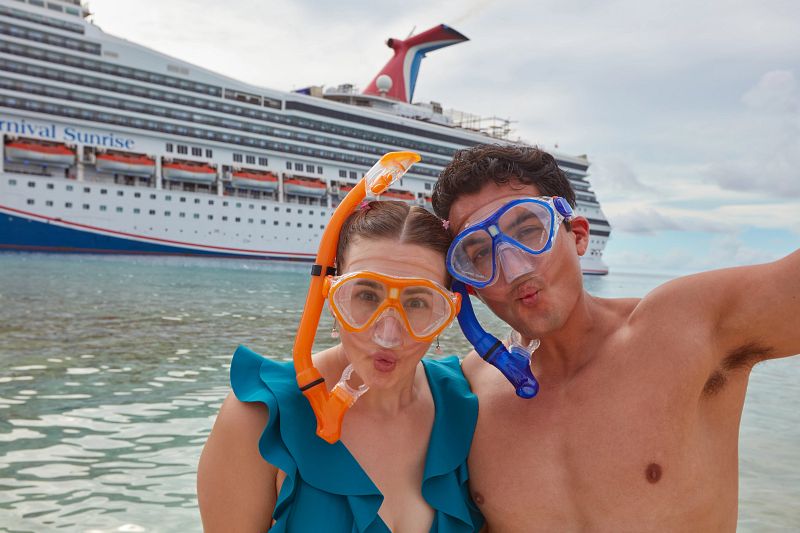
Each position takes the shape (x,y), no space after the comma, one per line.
(472,168)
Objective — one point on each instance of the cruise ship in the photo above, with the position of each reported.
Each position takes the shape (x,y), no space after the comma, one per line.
(112,147)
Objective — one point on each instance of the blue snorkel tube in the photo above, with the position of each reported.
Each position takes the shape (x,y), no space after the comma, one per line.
(514,363)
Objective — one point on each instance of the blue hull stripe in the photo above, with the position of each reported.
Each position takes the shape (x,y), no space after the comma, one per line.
(18,233)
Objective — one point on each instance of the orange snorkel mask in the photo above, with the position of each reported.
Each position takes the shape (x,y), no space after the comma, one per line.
(330,407)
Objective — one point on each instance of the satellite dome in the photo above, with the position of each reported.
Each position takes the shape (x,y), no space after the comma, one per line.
(384,83)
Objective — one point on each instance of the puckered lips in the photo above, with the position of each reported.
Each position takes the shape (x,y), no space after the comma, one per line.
(528,293)
(384,360)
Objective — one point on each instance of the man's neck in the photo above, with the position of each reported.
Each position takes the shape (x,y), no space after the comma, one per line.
(563,353)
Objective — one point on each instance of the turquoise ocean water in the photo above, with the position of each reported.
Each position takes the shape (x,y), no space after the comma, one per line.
(112,370)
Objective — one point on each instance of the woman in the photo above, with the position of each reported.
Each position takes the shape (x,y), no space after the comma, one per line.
(401,463)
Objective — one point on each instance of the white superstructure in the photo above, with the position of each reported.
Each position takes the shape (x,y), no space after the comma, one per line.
(109,146)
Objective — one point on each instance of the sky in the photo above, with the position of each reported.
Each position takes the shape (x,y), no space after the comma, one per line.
(689,111)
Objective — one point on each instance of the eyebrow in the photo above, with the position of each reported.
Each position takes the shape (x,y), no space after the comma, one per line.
(368,283)
(418,290)
(522,217)
(474,239)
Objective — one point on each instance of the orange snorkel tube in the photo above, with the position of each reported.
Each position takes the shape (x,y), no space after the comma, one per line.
(329,408)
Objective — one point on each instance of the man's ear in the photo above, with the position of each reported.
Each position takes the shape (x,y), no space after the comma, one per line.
(580,232)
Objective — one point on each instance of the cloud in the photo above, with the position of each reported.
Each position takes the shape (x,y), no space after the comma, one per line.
(770,162)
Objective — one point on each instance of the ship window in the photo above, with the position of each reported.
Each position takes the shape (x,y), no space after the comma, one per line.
(196,215)
(238,204)
(251,159)
(238,219)
(263,161)
(274,222)
(39,3)
(136,210)
(237,158)
(288,209)
(224,218)
(209,153)
(183,149)
(30,201)
(298,166)
(197,200)
(137,195)
(427,186)
(210,217)
(309,168)
(224,204)
(182,215)
(12,182)
(263,221)
(86,206)
(319,170)
(263,208)
(310,226)
(50,186)
(288,223)
(252,206)
(152,211)
(102,208)
(183,198)
(342,173)
(197,151)
(119,210)
(87,189)
(277,208)
(353,175)
(49,203)
(289,165)
(54,7)
(120,193)
(169,147)
(299,224)
(69,187)
(249,220)
(68,205)
(31,184)
(322,226)
(168,198)
(152,196)
(167,213)
(211,202)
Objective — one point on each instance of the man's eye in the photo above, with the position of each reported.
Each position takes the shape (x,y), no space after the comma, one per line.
(480,254)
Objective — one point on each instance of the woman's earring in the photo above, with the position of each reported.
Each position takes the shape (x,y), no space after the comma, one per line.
(334,332)
(438,349)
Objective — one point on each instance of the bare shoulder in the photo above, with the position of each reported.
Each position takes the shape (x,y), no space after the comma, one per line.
(236,487)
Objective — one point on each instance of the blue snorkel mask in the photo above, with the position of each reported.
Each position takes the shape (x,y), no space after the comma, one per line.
(514,239)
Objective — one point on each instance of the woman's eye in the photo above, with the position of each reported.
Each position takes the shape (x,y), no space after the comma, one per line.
(367,296)
(416,303)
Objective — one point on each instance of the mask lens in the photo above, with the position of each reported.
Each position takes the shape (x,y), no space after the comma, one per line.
(425,308)
(471,257)
(358,299)
(529,224)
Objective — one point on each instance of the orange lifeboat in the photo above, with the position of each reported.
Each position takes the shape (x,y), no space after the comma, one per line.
(189,171)
(40,152)
(254,179)
(127,163)
(304,186)
(398,194)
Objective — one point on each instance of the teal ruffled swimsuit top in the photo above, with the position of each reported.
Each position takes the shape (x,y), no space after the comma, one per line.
(325,488)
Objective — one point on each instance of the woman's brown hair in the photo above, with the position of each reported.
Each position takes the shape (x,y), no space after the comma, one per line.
(393,220)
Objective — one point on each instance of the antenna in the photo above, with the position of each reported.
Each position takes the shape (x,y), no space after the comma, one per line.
(412,31)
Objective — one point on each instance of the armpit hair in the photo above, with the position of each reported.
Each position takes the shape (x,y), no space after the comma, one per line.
(743,357)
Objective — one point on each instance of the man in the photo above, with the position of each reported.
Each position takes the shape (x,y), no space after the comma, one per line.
(635,427)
